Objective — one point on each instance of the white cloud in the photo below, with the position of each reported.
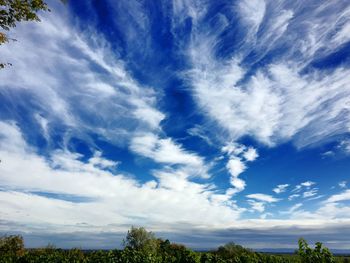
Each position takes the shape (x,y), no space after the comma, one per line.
(295,207)
(292,209)
(341,149)
(258,202)
(263,197)
(168,152)
(265,215)
(90,92)
(252,13)
(280,188)
(279,101)
(235,166)
(9,133)
(198,131)
(251,154)
(257,206)
(77,83)
(297,188)
(328,154)
(238,184)
(103,163)
(333,208)
(108,198)
(307,184)
(310,193)
(333,211)
(343,26)
(342,184)
(316,197)
(344,146)
(304,189)
(339,197)
(233,148)
(238,154)
(44,124)
(293,196)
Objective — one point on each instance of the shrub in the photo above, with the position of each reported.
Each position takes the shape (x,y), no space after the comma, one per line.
(318,254)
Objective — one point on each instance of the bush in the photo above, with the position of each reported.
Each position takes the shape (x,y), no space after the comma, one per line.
(318,254)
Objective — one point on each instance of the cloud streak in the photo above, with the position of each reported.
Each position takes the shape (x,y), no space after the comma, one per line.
(279,101)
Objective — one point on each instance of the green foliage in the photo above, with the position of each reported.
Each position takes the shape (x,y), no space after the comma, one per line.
(231,250)
(14,11)
(171,252)
(141,246)
(318,254)
(12,245)
(138,238)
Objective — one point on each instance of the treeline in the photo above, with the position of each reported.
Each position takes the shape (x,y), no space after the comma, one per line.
(141,246)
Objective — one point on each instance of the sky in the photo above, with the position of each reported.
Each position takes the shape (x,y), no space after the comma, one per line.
(203,121)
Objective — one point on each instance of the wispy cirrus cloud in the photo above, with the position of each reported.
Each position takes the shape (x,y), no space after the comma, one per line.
(259,201)
(292,209)
(263,197)
(310,193)
(344,146)
(80,83)
(342,184)
(303,185)
(307,184)
(280,100)
(293,196)
(281,188)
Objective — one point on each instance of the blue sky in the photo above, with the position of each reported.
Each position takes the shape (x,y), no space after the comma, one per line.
(204,121)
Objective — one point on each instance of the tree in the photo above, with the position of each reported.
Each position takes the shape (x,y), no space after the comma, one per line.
(12,246)
(139,238)
(14,11)
(231,250)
